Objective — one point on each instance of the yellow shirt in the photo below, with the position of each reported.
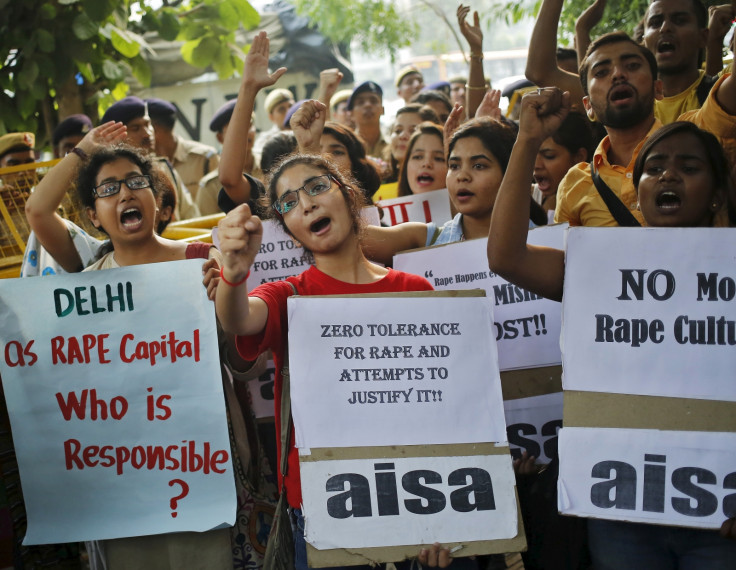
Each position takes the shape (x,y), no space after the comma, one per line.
(578,201)
(668,110)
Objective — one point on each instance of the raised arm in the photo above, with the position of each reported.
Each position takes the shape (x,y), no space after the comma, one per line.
(586,22)
(307,125)
(719,23)
(726,94)
(537,269)
(43,203)
(329,81)
(542,69)
(235,147)
(240,235)
(476,87)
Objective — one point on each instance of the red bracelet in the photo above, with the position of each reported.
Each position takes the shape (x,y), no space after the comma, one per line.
(243,280)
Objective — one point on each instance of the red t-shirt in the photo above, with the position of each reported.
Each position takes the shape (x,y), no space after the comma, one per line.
(274,337)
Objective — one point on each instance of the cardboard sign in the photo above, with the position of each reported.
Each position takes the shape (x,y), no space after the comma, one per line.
(113,387)
(532,425)
(648,352)
(651,311)
(425,207)
(652,476)
(526,326)
(367,503)
(261,392)
(395,372)
(386,365)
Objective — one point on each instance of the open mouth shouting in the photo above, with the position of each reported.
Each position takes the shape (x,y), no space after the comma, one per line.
(425,180)
(665,47)
(621,94)
(320,226)
(464,195)
(667,201)
(131,219)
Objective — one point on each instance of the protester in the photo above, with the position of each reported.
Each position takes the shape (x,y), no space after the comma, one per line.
(335,142)
(409,82)
(478,154)
(694,189)
(424,167)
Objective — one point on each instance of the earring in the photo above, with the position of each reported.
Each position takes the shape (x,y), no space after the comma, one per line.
(638,207)
(715,205)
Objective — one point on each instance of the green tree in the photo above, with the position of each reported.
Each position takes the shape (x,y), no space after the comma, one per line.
(59,57)
(621,15)
(377,26)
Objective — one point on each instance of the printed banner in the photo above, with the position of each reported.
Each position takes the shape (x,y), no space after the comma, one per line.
(651,476)
(526,326)
(394,370)
(261,392)
(113,387)
(425,207)
(361,503)
(650,312)
(533,424)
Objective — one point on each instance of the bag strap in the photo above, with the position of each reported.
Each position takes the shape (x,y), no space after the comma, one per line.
(704,87)
(286,419)
(618,210)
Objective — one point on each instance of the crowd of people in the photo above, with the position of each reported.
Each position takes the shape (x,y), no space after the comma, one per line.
(639,132)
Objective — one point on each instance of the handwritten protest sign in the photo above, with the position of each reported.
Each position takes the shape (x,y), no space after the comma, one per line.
(396,372)
(648,353)
(425,207)
(113,387)
(527,326)
(386,365)
(651,312)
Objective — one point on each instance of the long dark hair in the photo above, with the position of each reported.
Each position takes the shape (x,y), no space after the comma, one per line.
(362,169)
(425,128)
(497,137)
(348,187)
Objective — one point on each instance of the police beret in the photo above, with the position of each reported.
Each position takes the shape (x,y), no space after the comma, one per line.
(16,141)
(441,86)
(222,116)
(290,113)
(125,110)
(160,108)
(365,87)
(72,125)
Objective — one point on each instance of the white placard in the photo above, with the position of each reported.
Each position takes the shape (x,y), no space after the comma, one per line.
(394,370)
(113,386)
(422,500)
(651,311)
(261,392)
(664,477)
(425,207)
(532,425)
(526,326)
(278,258)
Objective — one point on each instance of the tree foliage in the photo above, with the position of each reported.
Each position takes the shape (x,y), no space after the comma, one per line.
(376,25)
(66,56)
(621,15)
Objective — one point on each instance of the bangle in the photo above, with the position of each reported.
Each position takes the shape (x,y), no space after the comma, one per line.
(79,152)
(478,56)
(476,87)
(222,276)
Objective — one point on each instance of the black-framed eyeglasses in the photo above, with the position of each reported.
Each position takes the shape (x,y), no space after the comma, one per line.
(314,187)
(112,187)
